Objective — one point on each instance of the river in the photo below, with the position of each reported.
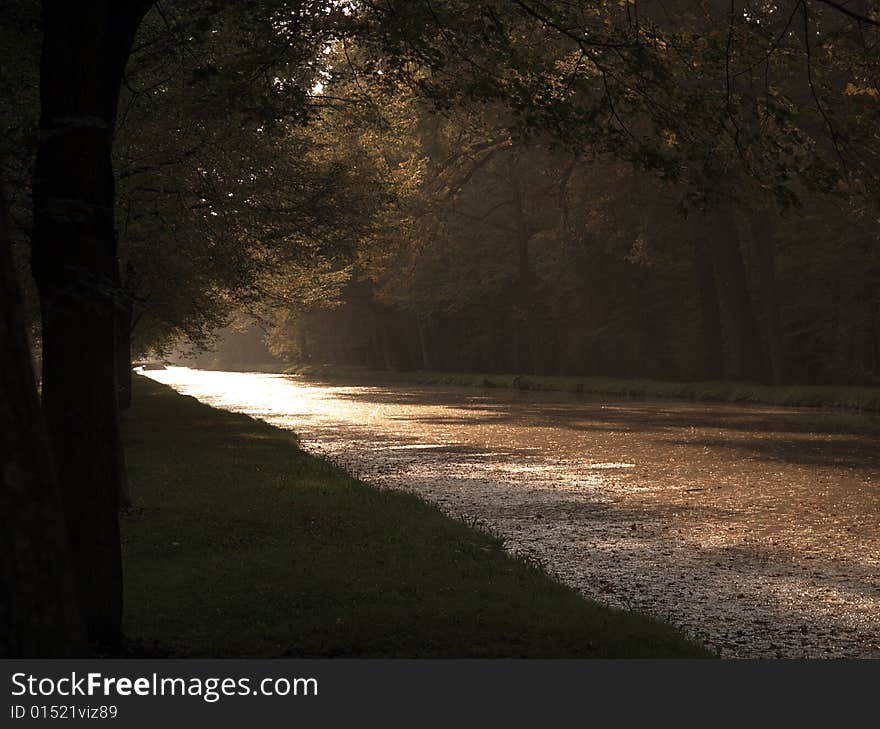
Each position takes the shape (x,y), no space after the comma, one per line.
(753,528)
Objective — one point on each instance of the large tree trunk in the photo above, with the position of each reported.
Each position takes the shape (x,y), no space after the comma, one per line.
(122,364)
(85,47)
(745,359)
(38,605)
(122,333)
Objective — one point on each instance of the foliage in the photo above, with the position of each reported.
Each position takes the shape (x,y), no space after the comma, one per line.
(559,231)
(228,198)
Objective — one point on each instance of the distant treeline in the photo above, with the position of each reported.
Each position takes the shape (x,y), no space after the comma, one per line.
(548,267)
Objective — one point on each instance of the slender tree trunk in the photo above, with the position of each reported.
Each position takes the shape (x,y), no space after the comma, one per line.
(526,350)
(710,313)
(743,344)
(305,354)
(654,356)
(85,47)
(423,345)
(384,344)
(875,336)
(39,610)
(765,259)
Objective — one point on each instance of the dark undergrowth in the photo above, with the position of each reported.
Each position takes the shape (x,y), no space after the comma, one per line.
(239,544)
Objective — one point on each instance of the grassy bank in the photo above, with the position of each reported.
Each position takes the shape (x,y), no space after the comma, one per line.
(240,544)
(865,399)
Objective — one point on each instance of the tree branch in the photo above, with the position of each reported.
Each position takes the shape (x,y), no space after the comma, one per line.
(841,8)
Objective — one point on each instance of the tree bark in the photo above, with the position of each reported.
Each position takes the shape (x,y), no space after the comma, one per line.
(123,353)
(122,347)
(85,47)
(38,604)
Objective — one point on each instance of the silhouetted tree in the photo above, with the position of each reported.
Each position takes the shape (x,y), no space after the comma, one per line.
(39,611)
(74,259)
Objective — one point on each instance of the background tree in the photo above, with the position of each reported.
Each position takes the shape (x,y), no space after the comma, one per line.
(678,254)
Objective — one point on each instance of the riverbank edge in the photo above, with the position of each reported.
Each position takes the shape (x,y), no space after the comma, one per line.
(831,397)
(240,544)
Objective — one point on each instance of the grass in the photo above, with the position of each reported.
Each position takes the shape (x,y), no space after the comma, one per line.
(865,399)
(242,545)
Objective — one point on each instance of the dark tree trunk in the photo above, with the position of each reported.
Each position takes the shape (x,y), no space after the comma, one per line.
(39,610)
(765,260)
(304,350)
(385,343)
(654,356)
(123,353)
(875,338)
(122,332)
(524,316)
(710,314)
(424,346)
(85,47)
(743,344)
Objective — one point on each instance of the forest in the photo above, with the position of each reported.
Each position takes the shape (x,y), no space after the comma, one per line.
(712,222)
(668,189)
